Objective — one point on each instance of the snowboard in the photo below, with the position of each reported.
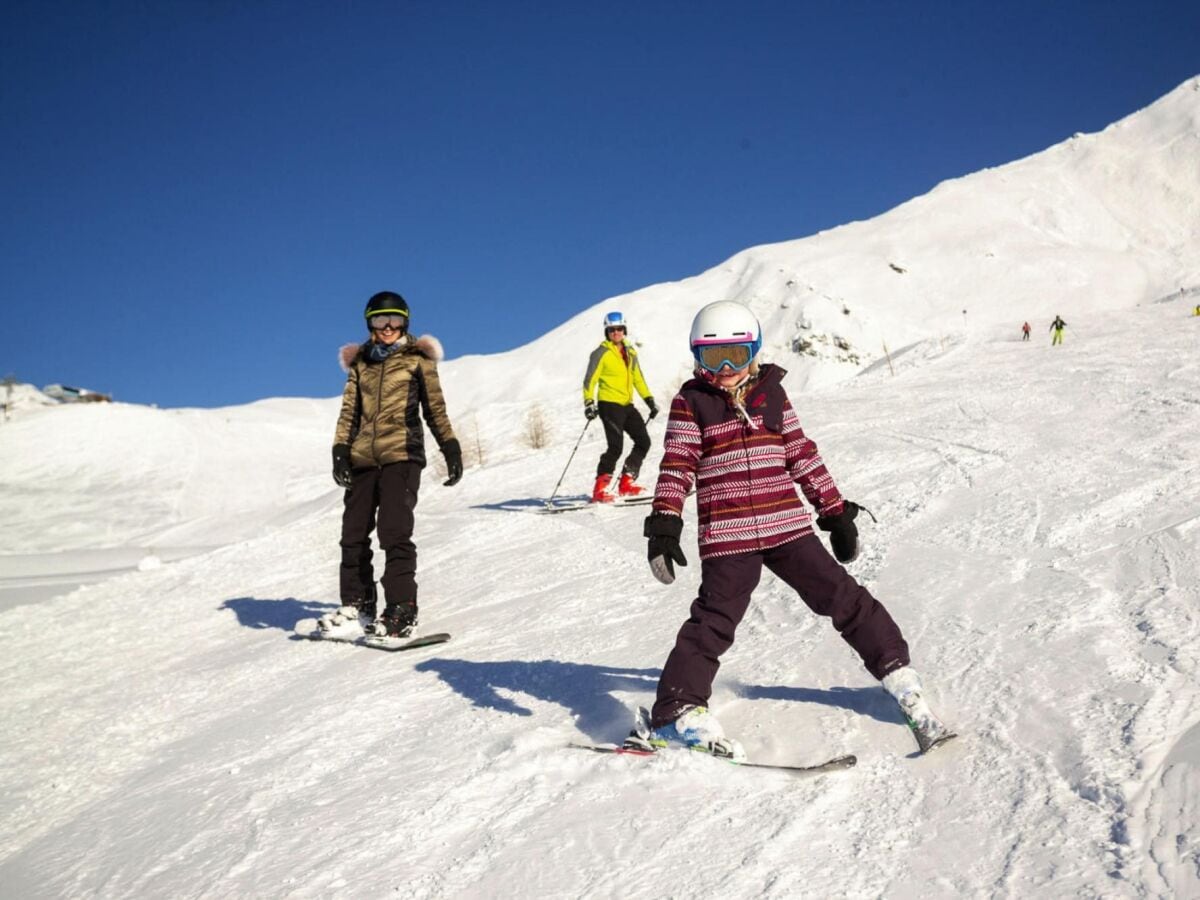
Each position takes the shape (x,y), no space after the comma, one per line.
(391,644)
(830,765)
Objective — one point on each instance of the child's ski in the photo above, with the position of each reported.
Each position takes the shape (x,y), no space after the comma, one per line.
(830,765)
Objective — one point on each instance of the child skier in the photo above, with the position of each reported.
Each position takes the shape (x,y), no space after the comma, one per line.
(378,454)
(733,433)
(614,374)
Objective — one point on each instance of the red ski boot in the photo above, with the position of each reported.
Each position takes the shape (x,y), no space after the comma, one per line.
(627,488)
(600,492)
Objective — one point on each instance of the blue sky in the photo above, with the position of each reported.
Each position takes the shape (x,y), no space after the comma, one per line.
(200,197)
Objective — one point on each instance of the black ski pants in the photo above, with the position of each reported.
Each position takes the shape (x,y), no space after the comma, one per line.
(389,493)
(726,583)
(620,419)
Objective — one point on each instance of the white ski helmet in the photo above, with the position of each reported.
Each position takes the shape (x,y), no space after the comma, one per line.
(614,320)
(725,322)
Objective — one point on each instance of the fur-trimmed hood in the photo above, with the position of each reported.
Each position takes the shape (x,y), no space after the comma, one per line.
(427,345)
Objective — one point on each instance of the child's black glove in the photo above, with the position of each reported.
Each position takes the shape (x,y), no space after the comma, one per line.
(342,473)
(843,533)
(663,548)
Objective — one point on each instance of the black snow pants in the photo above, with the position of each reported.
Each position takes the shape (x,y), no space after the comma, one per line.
(620,419)
(726,583)
(391,493)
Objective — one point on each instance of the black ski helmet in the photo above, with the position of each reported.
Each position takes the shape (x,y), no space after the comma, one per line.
(386,303)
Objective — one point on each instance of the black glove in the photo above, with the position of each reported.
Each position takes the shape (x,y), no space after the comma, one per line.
(342,473)
(843,533)
(453,453)
(589,410)
(653,408)
(663,549)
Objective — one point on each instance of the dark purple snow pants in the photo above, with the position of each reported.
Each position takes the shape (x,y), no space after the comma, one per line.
(726,583)
(390,492)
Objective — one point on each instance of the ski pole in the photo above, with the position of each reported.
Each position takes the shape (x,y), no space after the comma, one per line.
(554,493)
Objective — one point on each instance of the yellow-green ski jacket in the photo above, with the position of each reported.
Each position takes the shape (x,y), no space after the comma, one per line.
(617,379)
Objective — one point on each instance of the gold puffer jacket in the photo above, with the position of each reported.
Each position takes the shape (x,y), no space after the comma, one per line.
(383,403)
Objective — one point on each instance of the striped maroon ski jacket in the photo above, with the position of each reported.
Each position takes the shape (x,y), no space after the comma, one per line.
(744,472)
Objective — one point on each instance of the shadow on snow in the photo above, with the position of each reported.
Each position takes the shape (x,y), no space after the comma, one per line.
(587,691)
(866,701)
(253,612)
(531,504)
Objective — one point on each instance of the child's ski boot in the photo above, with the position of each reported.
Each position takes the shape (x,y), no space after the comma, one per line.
(905,685)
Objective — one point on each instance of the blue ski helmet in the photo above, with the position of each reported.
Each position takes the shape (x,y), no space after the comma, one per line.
(614,320)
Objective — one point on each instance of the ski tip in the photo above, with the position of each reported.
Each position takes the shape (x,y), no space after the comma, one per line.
(836,764)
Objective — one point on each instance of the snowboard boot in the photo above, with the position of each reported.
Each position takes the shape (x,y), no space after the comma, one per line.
(397,621)
(697,729)
(600,492)
(627,488)
(350,620)
(904,684)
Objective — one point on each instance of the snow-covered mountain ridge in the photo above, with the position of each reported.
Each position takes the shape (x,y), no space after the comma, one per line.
(1096,223)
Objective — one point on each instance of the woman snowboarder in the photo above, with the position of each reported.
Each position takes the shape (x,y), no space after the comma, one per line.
(378,454)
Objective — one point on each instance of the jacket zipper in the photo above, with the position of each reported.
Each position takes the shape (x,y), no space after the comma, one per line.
(378,412)
(750,481)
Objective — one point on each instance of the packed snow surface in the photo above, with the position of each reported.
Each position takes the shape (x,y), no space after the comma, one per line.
(168,734)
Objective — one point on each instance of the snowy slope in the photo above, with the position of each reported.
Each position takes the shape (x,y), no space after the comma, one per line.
(167,735)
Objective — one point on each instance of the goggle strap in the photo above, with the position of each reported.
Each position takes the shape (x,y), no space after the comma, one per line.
(387,312)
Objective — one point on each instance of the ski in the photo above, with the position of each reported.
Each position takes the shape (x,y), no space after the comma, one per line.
(390,644)
(555,506)
(830,765)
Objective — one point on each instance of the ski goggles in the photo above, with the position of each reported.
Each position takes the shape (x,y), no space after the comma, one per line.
(381,323)
(715,357)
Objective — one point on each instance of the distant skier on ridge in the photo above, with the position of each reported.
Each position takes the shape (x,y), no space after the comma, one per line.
(733,434)
(1057,327)
(1025,332)
(613,374)
(378,454)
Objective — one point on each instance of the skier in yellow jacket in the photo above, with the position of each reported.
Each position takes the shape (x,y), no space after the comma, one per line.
(612,376)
